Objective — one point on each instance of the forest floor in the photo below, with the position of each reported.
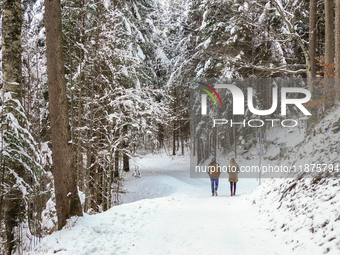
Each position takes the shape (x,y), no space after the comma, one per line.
(167,212)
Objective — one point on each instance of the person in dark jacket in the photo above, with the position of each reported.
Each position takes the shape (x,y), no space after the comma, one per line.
(214,171)
(233,170)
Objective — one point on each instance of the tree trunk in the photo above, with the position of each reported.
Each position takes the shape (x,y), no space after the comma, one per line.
(329,53)
(126,166)
(198,147)
(78,151)
(67,199)
(116,159)
(329,37)
(174,127)
(337,48)
(312,38)
(11,201)
(88,179)
(160,135)
(174,138)
(11,48)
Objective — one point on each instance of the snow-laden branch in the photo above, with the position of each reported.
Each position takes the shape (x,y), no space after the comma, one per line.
(293,34)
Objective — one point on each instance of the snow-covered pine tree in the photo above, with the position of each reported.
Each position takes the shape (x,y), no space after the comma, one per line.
(114,92)
(19,155)
(20,173)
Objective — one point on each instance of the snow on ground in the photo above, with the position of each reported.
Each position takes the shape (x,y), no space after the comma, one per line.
(306,212)
(167,212)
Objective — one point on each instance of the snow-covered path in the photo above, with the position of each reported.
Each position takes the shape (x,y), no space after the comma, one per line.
(167,212)
(191,221)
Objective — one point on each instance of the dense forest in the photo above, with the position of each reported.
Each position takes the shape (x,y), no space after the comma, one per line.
(88,85)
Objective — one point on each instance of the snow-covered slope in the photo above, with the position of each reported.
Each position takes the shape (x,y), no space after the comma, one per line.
(306,211)
(304,214)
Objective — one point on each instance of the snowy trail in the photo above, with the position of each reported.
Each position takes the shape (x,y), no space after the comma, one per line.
(190,221)
(167,212)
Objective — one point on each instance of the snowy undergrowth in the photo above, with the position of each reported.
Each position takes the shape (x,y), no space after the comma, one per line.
(305,212)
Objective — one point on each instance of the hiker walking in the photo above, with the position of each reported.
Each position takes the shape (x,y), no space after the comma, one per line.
(214,171)
(233,170)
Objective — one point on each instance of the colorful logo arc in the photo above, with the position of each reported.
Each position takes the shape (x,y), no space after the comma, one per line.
(213,90)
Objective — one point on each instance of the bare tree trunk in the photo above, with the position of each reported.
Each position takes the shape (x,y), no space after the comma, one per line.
(67,199)
(71,79)
(199,145)
(174,127)
(312,38)
(88,180)
(105,180)
(174,138)
(78,151)
(116,159)
(109,191)
(126,165)
(11,48)
(337,48)
(160,135)
(329,52)
(329,37)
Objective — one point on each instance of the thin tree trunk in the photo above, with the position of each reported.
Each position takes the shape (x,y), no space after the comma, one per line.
(126,165)
(11,48)
(109,196)
(312,38)
(88,180)
(161,135)
(67,199)
(337,48)
(79,155)
(329,53)
(329,38)
(105,179)
(174,138)
(116,159)
(174,127)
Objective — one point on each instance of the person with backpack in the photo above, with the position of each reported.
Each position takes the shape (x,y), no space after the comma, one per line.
(233,170)
(214,171)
